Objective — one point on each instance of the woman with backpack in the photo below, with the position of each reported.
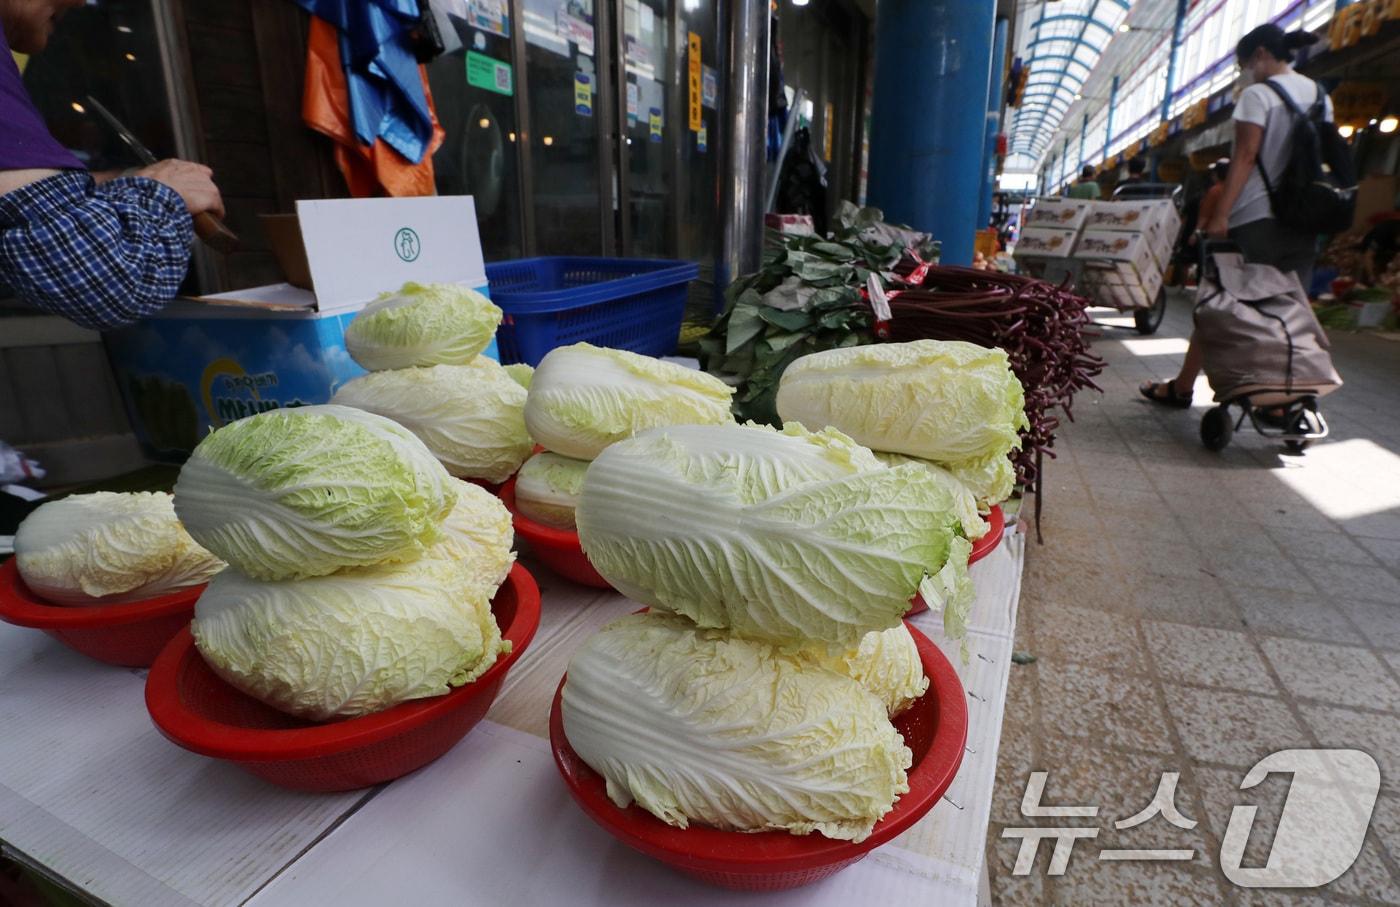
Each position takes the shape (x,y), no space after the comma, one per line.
(1265,118)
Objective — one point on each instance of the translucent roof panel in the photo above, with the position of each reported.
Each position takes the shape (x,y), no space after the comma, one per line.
(1061,41)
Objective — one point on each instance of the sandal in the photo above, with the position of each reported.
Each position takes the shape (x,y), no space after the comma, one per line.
(1170,398)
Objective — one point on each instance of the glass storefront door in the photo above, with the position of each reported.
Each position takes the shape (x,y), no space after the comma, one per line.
(650,126)
(566,112)
(473,87)
(605,142)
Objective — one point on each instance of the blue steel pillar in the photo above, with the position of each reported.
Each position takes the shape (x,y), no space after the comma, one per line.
(933,62)
(1083,134)
(995,89)
(1172,62)
(1108,122)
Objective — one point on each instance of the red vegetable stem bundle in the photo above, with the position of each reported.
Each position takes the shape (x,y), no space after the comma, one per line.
(1038,324)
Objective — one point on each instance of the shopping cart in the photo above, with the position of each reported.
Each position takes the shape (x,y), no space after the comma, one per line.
(1101,280)
(1263,350)
(1146,319)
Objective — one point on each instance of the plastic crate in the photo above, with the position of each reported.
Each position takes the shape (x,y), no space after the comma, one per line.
(624,303)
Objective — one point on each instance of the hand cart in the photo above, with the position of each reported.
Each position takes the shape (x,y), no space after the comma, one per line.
(1100,280)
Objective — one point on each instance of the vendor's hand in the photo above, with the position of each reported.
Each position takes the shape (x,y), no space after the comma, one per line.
(194,182)
(1217,227)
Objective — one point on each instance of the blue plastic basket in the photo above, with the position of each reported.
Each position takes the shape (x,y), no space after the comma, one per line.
(625,303)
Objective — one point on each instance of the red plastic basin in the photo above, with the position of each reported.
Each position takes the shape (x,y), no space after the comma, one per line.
(934,728)
(194,708)
(557,549)
(130,634)
(996,528)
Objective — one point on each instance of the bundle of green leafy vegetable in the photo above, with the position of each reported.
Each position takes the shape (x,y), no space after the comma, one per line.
(806,297)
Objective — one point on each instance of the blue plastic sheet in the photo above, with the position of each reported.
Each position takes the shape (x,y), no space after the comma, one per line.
(387,100)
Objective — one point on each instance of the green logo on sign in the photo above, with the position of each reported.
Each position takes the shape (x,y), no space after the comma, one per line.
(406,244)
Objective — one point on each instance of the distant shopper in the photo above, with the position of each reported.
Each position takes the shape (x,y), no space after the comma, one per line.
(1380,245)
(1262,129)
(1210,201)
(1137,172)
(1087,186)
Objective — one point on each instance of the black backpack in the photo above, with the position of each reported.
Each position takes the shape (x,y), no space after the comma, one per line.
(1316,192)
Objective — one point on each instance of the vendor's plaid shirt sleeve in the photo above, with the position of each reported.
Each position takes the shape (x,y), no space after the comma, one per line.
(102,256)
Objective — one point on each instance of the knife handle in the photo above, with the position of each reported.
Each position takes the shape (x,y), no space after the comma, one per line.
(215,235)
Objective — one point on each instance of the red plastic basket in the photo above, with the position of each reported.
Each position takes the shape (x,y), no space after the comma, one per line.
(996,528)
(197,710)
(130,634)
(557,549)
(934,727)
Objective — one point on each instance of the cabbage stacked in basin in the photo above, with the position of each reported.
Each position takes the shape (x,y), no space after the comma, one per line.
(583,398)
(106,548)
(421,346)
(758,690)
(951,403)
(360,573)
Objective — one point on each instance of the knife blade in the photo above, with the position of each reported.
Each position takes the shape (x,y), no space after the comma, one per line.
(206,226)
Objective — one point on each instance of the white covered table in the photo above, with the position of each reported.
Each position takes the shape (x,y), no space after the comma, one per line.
(92,796)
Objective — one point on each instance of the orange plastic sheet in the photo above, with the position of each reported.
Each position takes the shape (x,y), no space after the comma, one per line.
(369,170)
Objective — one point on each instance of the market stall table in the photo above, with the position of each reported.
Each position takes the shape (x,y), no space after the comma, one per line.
(99,801)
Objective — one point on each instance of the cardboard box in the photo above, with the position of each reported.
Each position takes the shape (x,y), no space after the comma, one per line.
(204,362)
(1045,242)
(1120,287)
(1156,218)
(1125,267)
(1061,213)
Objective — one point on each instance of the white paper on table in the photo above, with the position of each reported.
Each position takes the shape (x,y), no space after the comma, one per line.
(90,792)
(491,822)
(509,833)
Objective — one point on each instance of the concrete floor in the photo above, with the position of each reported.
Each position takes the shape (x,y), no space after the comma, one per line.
(1194,612)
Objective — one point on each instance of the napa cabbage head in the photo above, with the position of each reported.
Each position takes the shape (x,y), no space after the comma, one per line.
(520,373)
(990,479)
(350,643)
(583,398)
(421,325)
(959,498)
(306,491)
(547,489)
(887,665)
(790,537)
(943,400)
(106,547)
(472,417)
(478,536)
(700,726)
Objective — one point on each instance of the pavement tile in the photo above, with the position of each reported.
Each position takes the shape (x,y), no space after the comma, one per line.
(1346,675)
(1376,734)
(1001,859)
(1272,612)
(1310,543)
(1136,883)
(1200,600)
(1114,709)
(1207,656)
(1121,785)
(1381,621)
(1378,525)
(1089,636)
(1231,728)
(1387,551)
(1352,581)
